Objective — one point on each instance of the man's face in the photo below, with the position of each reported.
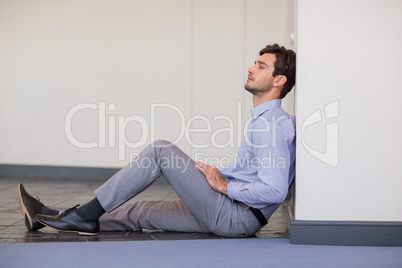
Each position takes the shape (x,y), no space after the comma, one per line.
(260,79)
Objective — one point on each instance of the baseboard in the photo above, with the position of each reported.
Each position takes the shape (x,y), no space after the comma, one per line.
(55,172)
(346,233)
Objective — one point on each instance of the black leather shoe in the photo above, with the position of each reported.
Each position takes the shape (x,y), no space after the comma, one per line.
(29,208)
(69,221)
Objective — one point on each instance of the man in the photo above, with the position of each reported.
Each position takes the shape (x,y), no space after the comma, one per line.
(233,202)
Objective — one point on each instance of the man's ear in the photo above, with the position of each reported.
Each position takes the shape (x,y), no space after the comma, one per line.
(280,80)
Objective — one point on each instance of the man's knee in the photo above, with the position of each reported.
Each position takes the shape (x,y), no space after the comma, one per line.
(161,144)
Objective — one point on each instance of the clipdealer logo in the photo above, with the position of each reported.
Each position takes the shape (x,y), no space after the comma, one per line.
(112,128)
(331,154)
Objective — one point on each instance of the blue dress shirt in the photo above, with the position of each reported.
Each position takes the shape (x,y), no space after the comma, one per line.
(265,164)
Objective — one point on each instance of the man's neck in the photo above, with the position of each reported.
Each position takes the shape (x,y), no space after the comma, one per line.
(259,100)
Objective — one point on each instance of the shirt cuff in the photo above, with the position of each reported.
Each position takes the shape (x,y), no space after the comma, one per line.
(234,189)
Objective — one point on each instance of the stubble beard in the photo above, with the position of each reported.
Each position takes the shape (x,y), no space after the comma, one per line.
(255,90)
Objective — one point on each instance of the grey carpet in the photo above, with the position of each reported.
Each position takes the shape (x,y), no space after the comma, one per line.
(195,253)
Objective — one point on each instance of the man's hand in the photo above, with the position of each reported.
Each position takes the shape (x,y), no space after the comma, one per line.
(214,178)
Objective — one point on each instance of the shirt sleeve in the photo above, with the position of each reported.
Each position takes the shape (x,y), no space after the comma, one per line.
(271,162)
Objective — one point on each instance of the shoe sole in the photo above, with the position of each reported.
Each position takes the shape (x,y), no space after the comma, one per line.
(28,220)
(67,231)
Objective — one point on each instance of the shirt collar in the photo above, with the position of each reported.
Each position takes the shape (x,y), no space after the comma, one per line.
(263,107)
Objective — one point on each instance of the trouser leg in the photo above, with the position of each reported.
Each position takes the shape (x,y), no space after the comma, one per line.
(148,215)
(214,211)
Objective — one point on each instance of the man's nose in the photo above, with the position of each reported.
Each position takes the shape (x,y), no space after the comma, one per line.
(251,70)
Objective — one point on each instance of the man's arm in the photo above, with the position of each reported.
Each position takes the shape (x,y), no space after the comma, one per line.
(214,177)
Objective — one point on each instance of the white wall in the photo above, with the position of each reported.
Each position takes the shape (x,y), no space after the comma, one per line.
(193,55)
(349,52)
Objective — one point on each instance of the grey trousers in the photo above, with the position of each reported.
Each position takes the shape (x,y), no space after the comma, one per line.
(200,208)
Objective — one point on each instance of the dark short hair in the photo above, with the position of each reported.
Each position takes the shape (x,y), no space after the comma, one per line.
(285,65)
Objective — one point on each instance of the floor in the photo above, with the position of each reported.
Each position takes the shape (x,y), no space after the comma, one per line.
(231,253)
(159,249)
(65,194)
